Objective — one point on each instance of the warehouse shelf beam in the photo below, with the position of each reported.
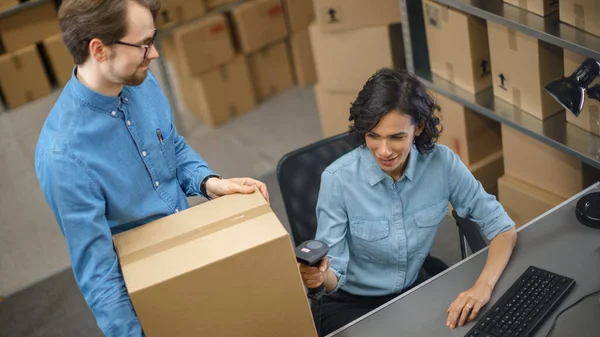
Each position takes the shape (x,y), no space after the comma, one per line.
(21,7)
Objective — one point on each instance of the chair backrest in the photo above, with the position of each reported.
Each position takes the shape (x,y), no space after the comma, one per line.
(299,176)
(471,233)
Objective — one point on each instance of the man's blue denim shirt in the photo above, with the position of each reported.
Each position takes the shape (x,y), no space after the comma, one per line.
(108,164)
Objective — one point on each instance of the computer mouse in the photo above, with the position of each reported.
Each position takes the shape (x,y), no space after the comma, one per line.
(587,210)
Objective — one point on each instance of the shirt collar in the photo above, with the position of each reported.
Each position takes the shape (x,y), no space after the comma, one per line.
(96,101)
(375,174)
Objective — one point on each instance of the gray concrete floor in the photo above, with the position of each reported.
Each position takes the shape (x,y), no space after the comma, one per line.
(42,297)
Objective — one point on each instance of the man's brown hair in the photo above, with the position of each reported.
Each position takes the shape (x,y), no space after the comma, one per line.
(83,20)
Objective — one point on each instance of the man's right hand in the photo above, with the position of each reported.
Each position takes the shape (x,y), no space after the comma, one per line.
(313,277)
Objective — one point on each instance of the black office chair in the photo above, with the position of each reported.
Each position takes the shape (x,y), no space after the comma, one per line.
(299,176)
(469,235)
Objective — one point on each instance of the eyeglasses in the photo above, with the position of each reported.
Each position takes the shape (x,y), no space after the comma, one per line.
(146,47)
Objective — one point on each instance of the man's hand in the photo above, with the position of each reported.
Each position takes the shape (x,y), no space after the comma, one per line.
(219,187)
(466,307)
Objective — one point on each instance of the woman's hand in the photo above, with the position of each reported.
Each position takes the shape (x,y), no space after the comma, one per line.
(313,277)
(467,305)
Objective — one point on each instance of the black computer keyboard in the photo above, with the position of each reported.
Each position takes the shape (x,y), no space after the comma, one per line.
(524,306)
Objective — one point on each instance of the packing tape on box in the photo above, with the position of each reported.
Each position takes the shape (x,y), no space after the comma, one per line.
(512,39)
(523,4)
(17,63)
(444,13)
(516,97)
(579,16)
(197,233)
(457,146)
(29,96)
(594,121)
(450,71)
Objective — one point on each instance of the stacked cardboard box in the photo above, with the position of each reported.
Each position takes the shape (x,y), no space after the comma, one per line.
(174,12)
(5,4)
(261,32)
(540,174)
(521,66)
(59,58)
(351,40)
(22,74)
(223,268)
(22,77)
(214,80)
(464,61)
(299,14)
(539,7)
(582,14)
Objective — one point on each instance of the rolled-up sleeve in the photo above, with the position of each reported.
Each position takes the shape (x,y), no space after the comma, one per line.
(470,200)
(79,206)
(332,225)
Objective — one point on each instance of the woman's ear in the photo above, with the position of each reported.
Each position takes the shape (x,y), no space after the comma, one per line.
(419,129)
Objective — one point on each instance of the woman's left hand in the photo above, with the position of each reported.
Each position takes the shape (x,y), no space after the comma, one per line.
(467,305)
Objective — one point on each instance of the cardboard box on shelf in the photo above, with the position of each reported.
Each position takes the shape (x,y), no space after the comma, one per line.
(259,23)
(340,15)
(543,166)
(302,57)
(589,118)
(22,77)
(60,59)
(299,14)
(174,12)
(464,61)
(524,202)
(205,44)
(6,4)
(334,110)
(28,27)
(469,134)
(188,274)
(582,14)
(270,70)
(342,66)
(539,7)
(521,66)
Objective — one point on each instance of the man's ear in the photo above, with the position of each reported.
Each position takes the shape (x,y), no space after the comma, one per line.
(98,50)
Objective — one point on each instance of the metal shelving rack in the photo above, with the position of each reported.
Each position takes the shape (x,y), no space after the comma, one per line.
(555,131)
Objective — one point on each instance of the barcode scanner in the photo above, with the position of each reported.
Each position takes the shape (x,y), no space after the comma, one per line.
(310,253)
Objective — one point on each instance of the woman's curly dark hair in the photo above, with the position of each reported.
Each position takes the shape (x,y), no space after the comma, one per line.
(388,90)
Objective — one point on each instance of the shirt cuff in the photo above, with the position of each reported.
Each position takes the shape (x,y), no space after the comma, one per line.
(200,175)
(341,280)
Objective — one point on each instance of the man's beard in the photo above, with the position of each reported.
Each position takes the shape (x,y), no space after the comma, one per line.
(134,79)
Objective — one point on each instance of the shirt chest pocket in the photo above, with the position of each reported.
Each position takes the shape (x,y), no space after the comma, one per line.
(167,148)
(427,222)
(370,239)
